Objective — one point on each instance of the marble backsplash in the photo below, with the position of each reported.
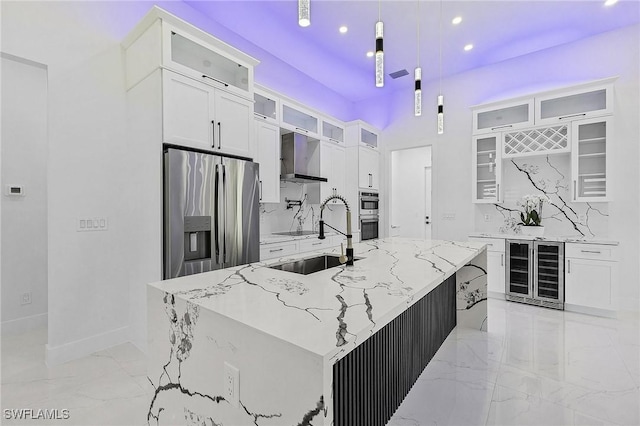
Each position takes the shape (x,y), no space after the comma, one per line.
(549,175)
(279,218)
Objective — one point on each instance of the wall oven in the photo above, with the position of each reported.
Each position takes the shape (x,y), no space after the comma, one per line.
(369,218)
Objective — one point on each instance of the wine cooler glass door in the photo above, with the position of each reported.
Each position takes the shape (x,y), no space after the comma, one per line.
(519,268)
(549,282)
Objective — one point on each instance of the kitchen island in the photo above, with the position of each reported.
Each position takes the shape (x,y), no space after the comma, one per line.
(341,346)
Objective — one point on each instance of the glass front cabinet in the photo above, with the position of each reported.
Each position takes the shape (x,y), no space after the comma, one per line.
(503,117)
(590,159)
(487,168)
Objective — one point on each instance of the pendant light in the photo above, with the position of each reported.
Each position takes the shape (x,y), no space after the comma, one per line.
(379,51)
(440,97)
(417,94)
(304,13)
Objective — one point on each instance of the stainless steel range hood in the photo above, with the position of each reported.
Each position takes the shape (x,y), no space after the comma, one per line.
(300,159)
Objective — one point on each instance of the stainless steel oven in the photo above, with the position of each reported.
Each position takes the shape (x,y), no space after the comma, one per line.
(369,218)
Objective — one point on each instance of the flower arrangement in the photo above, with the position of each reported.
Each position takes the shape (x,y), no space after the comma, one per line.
(532,209)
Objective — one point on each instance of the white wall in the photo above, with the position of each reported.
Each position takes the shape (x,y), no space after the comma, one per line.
(556,67)
(24,218)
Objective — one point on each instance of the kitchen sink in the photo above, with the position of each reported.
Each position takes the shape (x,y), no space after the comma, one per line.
(311,264)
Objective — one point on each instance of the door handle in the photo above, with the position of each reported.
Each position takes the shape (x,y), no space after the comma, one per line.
(574,190)
(570,116)
(213,133)
(220,138)
(502,260)
(568,266)
(370,180)
(260,190)
(217,81)
(224,216)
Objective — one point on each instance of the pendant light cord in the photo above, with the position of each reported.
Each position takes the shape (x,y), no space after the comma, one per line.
(440,53)
(418,53)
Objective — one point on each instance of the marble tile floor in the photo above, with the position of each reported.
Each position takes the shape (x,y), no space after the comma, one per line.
(535,366)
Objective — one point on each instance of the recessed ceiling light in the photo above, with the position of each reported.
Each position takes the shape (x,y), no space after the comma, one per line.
(343,29)
(468,47)
(456,20)
(610,2)
(369,54)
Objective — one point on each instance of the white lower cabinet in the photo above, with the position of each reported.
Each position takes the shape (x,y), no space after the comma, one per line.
(591,275)
(495,264)
(268,156)
(275,250)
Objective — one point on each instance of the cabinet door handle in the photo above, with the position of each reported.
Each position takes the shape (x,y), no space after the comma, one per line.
(213,133)
(260,190)
(302,130)
(570,116)
(497,192)
(217,81)
(502,260)
(370,180)
(260,116)
(591,251)
(274,250)
(568,266)
(502,127)
(574,190)
(219,135)
(316,244)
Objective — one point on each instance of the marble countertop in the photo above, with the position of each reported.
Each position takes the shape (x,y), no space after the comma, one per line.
(562,239)
(324,311)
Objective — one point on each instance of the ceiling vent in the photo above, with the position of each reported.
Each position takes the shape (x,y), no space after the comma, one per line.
(399,74)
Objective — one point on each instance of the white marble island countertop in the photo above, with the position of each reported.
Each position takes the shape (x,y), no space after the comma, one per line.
(324,311)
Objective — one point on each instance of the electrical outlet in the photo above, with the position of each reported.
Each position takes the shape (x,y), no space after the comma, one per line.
(26,298)
(487,218)
(231,385)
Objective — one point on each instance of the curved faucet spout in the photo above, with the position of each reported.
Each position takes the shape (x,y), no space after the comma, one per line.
(348,234)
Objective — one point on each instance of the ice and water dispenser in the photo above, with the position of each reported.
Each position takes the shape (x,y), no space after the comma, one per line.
(197,238)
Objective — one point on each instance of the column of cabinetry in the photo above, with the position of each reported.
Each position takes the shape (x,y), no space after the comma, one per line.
(206,86)
(267,141)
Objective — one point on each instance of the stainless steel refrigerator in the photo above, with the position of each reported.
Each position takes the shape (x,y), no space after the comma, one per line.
(211,212)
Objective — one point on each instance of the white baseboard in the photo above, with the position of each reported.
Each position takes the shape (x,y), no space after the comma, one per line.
(590,311)
(496,295)
(80,348)
(25,324)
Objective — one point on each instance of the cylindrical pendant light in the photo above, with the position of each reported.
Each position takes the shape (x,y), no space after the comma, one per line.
(417,94)
(379,55)
(440,97)
(304,13)
(440,114)
(417,98)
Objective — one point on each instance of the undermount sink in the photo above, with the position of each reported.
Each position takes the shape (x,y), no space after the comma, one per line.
(311,264)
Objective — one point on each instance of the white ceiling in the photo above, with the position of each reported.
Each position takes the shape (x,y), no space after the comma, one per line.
(499,30)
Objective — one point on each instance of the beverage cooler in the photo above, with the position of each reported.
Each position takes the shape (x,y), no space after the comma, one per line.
(535,273)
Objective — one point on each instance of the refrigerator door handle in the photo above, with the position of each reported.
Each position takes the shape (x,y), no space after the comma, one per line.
(224,216)
(216,211)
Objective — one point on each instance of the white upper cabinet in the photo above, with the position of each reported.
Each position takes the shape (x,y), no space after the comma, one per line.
(576,103)
(590,163)
(368,168)
(299,120)
(487,168)
(268,156)
(368,137)
(332,131)
(504,116)
(200,116)
(163,40)
(266,107)
(332,166)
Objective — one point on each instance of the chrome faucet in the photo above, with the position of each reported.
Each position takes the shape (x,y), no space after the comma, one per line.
(348,234)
